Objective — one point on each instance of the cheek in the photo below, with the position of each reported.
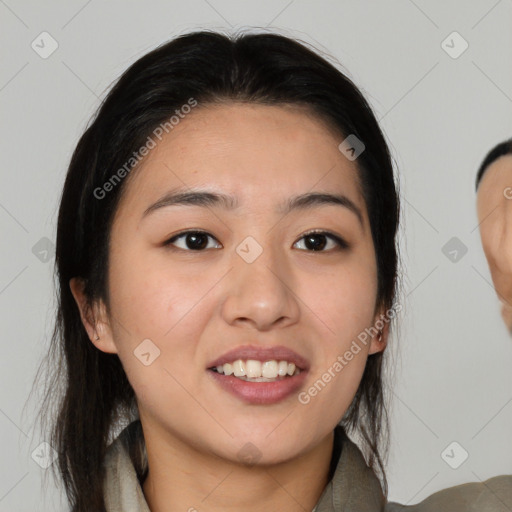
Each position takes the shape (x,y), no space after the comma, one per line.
(151,296)
(156,324)
(332,387)
(491,233)
(343,307)
(345,300)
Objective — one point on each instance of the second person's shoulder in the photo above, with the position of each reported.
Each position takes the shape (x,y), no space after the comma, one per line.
(493,495)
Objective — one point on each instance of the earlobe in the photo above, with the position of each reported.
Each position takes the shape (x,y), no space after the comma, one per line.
(380,340)
(95,322)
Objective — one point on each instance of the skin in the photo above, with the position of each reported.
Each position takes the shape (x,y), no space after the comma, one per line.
(197,305)
(494,208)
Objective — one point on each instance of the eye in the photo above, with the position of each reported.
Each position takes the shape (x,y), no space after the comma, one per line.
(314,241)
(194,240)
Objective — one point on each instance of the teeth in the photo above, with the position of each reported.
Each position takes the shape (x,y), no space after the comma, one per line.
(258,371)
(239,368)
(283,368)
(253,369)
(269,369)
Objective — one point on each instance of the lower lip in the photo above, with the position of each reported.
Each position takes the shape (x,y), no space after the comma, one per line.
(260,393)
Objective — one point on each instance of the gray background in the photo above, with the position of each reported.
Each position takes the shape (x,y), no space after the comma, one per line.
(451,362)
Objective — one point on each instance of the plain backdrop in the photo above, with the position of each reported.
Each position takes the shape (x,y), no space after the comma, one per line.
(441,109)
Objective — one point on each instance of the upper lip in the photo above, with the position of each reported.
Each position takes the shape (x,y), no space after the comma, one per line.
(278,353)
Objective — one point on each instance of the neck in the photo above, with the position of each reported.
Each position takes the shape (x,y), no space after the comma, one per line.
(183,479)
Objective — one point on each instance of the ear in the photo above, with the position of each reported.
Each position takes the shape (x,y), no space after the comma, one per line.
(96,323)
(379,341)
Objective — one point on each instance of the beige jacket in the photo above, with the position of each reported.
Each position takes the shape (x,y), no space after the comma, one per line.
(352,488)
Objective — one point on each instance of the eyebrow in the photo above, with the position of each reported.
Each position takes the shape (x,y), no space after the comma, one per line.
(205,199)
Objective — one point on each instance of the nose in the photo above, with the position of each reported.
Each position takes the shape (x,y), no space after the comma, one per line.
(260,294)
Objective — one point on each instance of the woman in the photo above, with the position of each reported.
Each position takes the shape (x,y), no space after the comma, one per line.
(237,366)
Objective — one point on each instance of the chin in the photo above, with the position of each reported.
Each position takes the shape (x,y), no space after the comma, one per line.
(265,445)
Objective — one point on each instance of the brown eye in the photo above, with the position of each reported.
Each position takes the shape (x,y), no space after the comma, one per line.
(193,240)
(315,241)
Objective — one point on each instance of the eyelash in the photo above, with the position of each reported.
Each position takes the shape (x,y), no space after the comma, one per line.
(339,241)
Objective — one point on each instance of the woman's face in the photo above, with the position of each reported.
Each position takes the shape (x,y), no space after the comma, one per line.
(253,281)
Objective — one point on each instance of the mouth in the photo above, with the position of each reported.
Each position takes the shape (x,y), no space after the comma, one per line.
(258,375)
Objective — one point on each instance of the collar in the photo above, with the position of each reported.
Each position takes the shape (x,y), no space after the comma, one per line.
(352,488)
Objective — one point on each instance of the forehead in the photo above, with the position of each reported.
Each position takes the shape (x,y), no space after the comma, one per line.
(259,153)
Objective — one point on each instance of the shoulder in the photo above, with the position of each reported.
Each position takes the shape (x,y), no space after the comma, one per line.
(493,495)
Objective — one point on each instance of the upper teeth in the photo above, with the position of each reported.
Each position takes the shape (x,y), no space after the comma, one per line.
(255,369)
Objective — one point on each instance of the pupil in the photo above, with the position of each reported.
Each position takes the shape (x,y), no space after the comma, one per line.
(195,236)
(315,246)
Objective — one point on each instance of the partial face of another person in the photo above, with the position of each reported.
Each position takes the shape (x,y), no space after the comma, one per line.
(494,207)
(252,279)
